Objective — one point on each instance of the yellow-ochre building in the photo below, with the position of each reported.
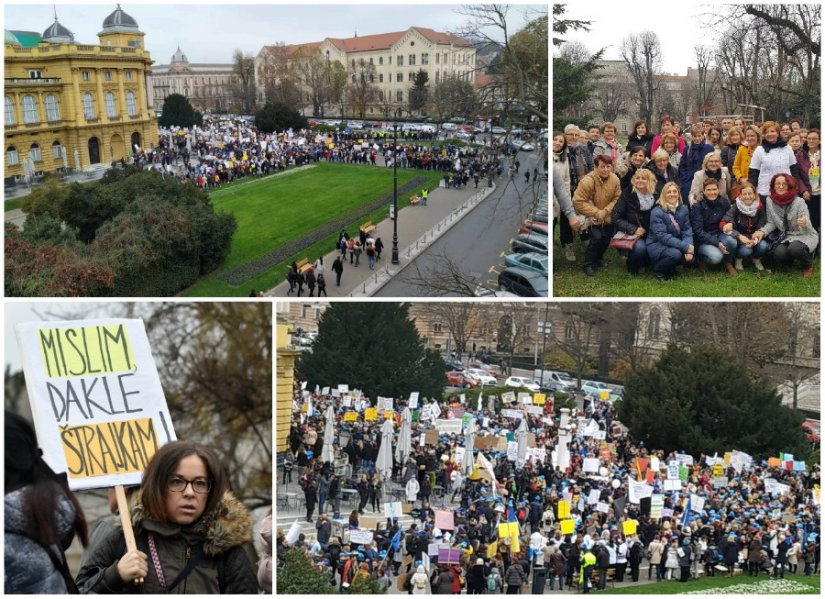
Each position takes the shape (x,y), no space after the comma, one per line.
(287,355)
(70,105)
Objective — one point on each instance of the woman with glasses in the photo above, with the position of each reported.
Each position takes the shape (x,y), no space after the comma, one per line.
(190,532)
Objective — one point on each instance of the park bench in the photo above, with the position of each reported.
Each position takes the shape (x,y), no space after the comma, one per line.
(304,266)
(415,200)
(368,227)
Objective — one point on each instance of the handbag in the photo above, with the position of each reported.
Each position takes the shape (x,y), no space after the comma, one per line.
(775,239)
(624,241)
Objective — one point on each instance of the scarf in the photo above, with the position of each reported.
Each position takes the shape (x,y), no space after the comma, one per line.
(747,210)
(646,201)
(768,146)
(786,198)
(714,175)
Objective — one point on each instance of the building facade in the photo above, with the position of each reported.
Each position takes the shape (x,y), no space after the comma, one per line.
(70,105)
(206,86)
(396,58)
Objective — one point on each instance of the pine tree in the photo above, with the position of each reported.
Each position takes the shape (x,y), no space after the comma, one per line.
(374,347)
(178,112)
(297,575)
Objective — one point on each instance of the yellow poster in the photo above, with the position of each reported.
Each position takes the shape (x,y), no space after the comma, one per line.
(539,399)
(629,528)
(388,414)
(492,549)
(604,395)
(728,456)
(718,470)
(568,526)
(350,417)
(564,509)
(371,414)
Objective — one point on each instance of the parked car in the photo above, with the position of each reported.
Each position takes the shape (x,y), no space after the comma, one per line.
(449,126)
(480,376)
(523,282)
(488,368)
(451,364)
(522,381)
(527,147)
(457,379)
(541,216)
(593,388)
(530,242)
(532,226)
(529,260)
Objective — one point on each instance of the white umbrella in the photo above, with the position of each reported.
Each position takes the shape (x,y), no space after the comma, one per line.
(327,453)
(469,441)
(521,437)
(403,448)
(384,462)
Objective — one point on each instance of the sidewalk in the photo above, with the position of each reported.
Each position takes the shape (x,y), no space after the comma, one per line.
(418,227)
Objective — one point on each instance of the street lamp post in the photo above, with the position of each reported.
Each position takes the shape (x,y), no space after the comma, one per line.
(395,189)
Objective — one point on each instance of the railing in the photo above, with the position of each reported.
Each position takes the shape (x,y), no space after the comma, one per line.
(31,81)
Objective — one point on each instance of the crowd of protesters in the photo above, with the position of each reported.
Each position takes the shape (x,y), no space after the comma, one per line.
(756,517)
(721,194)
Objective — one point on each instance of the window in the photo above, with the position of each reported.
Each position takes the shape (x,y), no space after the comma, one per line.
(11,156)
(10,119)
(412,60)
(35,153)
(380,60)
(111,108)
(372,78)
(353,63)
(399,60)
(29,109)
(131,104)
(128,75)
(380,77)
(425,58)
(437,327)
(107,75)
(370,59)
(88,106)
(654,321)
(410,76)
(399,96)
(569,331)
(436,75)
(399,77)
(353,77)
(35,74)
(85,75)
(57,150)
(52,108)
(437,56)
(380,95)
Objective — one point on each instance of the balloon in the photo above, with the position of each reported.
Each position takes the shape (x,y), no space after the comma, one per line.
(616,484)
(602,471)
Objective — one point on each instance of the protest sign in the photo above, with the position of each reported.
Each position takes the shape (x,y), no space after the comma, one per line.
(774,463)
(350,417)
(657,504)
(393,509)
(697,503)
(444,520)
(536,454)
(370,414)
(719,482)
(336,393)
(449,556)
(513,414)
(654,464)
(629,527)
(432,548)
(673,470)
(96,399)
(673,485)
(600,435)
(343,388)
(568,527)
(448,426)
(413,403)
(667,512)
(512,451)
(564,509)
(602,507)
(534,410)
(524,397)
(685,459)
(591,465)
(431,437)
(293,533)
(683,474)
(638,490)
(508,397)
(508,529)
(593,496)
(539,399)
(347,402)
(718,470)
(325,391)
(362,537)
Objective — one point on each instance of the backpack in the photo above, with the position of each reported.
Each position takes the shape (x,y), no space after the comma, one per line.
(492,584)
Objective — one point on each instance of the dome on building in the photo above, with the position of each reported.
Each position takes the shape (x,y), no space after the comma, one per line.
(179,56)
(119,20)
(10,38)
(58,34)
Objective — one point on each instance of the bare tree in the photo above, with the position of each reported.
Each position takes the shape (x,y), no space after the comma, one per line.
(243,68)
(643,55)
(461,318)
(361,90)
(580,333)
(612,100)
(323,80)
(276,76)
(444,278)
(707,81)
(800,327)
(514,327)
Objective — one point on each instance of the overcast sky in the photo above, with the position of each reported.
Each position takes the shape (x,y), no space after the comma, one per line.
(678,24)
(211,31)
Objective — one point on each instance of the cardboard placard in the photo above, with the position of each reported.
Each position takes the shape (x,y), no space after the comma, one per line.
(444,520)
(343,388)
(430,437)
(590,465)
(413,401)
(602,507)
(96,398)
(393,509)
(360,536)
(448,427)
(593,496)
(657,504)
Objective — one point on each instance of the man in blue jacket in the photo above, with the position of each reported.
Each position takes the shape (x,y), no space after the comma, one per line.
(692,158)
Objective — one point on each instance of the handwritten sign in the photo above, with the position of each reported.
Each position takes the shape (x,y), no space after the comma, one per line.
(657,504)
(350,417)
(371,414)
(591,465)
(362,537)
(413,403)
(602,507)
(96,399)
(444,520)
(539,399)
(393,509)
(449,556)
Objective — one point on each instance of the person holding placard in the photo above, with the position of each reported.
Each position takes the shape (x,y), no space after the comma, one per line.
(190,532)
(41,517)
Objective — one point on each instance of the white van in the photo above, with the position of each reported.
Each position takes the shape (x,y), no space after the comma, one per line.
(449,126)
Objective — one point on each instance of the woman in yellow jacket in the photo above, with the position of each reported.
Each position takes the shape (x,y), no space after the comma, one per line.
(742,162)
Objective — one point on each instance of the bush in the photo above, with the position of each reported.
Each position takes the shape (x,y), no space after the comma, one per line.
(369,586)
(297,575)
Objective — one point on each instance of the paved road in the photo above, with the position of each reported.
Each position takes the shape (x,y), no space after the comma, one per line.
(477,244)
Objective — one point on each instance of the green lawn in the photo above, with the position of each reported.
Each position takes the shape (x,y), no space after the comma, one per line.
(274,211)
(10,205)
(739,585)
(613,280)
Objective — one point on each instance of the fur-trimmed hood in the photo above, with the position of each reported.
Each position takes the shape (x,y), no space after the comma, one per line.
(228,525)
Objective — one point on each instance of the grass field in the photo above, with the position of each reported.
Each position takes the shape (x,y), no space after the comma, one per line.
(277,210)
(738,585)
(10,205)
(613,280)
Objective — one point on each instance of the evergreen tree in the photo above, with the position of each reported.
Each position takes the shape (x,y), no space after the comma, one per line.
(178,112)
(419,92)
(703,401)
(277,116)
(298,576)
(374,347)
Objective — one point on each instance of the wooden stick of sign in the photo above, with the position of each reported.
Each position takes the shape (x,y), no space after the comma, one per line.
(126,522)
